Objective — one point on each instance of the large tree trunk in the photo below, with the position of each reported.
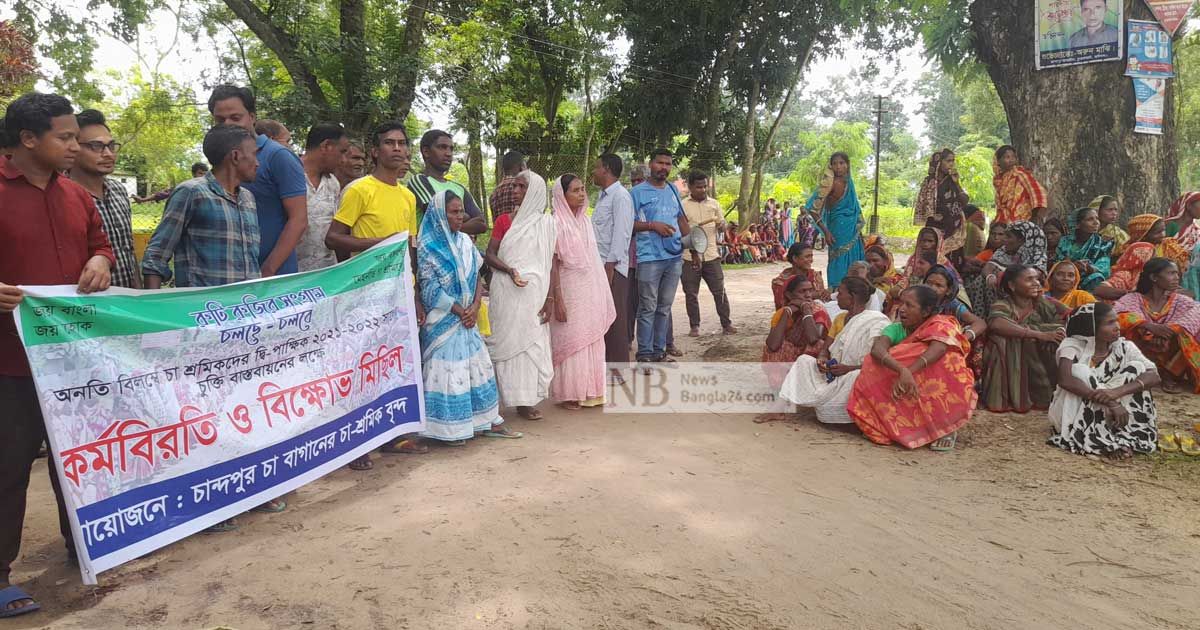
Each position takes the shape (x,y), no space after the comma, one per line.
(475,164)
(402,89)
(1074,125)
(284,46)
(748,207)
(352,35)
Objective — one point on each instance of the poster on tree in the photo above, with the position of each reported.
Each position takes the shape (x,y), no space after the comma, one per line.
(1149,51)
(1150,95)
(169,411)
(1071,32)
(1170,13)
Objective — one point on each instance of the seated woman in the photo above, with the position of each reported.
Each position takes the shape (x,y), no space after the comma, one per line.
(944,282)
(1054,229)
(1024,329)
(1024,244)
(915,387)
(883,273)
(1063,286)
(1164,324)
(824,382)
(1110,212)
(929,241)
(1083,244)
(1147,239)
(1102,405)
(797,328)
(800,260)
(461,399)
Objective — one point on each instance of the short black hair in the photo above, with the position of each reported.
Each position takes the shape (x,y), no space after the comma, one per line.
(221,140)
(89,117)
(661,151)
(859,289)
(1005,148)
(794,283)
(795,250)
(321,132)
(385,128)
(512,162)
(32,112)
(697,175)
(430,138)
(969,210)
(612,163)
(1152,268)
(225,92)
(199,166)
(1010,275)
(269,128)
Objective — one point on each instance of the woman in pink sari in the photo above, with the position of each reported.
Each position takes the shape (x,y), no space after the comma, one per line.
(583,306)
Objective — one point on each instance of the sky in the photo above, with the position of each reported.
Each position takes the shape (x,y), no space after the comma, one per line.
(183,62)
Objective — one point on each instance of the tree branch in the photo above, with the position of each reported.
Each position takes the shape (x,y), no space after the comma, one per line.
(284,47)
(402,90)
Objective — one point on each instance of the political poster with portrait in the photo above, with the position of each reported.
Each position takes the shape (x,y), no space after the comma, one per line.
(1072,32)
(1170,13)
(1149,51)
(169,411)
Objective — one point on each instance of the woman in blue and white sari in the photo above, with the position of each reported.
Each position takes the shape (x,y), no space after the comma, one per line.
(841,217)
(460,383)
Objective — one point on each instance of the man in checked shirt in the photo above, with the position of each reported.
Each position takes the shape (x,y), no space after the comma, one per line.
(94,163)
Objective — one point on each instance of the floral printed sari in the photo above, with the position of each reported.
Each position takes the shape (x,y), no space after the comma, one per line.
(1179,356)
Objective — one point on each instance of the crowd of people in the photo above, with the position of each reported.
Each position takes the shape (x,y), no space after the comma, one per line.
(1081,317)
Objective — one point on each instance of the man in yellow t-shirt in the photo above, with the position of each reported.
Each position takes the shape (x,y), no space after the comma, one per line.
(705,213)
(373,208)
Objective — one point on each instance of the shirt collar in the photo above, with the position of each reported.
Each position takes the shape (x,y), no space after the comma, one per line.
(615,184)
(10,171)
(261,141)
(216,187)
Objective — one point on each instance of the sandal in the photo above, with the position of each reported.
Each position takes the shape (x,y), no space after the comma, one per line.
(361,464)
(571,405)
(407,447)
(1168,443)
(15,594)
(529,413)
(275,506)
(222,527)
(674,352)
(1187,444)
(503,432)
(944,444)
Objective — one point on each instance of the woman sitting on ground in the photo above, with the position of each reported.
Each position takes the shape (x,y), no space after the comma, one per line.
(944,281)
(915,387)
(824,381)
(1054,229)
(1083,244)
(883,273)
(797,328)
(1181,220)
(929,242)
(1164,324)
(1103,405)
(1110,213)
(1063,286)
(800,259)
(1024,244)
(1147,239)
(1024,330)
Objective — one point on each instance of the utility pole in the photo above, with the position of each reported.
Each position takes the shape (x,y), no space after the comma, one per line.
(878,130)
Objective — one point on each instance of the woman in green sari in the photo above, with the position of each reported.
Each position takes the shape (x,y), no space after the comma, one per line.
(1024,329)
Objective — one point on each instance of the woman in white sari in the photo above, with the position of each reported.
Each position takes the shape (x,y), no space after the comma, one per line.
(521,302)
(825,382)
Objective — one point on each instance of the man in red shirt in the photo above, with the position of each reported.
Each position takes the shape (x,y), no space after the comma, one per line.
(53,235)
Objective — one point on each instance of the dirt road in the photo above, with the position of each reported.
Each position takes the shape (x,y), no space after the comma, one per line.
(680,522)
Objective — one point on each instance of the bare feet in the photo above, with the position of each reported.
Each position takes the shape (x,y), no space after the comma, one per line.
(529,413)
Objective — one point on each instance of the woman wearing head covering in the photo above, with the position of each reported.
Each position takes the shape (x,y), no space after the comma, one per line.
(797,328)
(1103,405)
(1024,329)
(800,260)
(1147,239)
(1024,244)
(460,384)
(929,241)
(940,203)
(1063,285)
(841,216)
(583,303)
(521,304)
(1164,324)
(1019,196)
(1181,220)
(915,387)
(1110,213)
(1083,244)
(824,381)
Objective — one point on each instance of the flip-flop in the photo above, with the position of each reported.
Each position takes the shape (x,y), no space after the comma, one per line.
(1167,443)
(532,414)
(944,444)
(361,464)
(571,405)
(15,594)
(405,447)
(274,506)
(503,433)
(1187,444)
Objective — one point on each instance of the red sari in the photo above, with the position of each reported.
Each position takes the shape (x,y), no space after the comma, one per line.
(945,390)
(779,284)
(777,363)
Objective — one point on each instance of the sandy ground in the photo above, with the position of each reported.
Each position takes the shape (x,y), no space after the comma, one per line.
(679,522)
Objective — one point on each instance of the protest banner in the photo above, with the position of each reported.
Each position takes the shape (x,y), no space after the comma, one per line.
(1150,95)
(1149,51)
(1071,32)
(1170,13)
(169,411)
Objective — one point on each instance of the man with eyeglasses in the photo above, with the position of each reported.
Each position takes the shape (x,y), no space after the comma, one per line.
(94,163)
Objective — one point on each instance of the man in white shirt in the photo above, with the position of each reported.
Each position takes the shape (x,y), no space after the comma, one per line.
(613,222)
(324,150)
(704,212)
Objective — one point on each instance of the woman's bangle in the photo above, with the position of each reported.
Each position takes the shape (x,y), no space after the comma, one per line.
(808,316)
(972,331)
(924,362)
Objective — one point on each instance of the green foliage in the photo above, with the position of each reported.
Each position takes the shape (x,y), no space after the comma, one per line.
(18,67)
(975,175)
(1187,109)
(850,138)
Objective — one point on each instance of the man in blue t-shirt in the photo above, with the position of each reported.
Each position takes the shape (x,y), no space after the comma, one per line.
(280,188)
(659,224)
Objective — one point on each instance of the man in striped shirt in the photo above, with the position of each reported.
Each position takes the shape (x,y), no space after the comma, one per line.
(94,163)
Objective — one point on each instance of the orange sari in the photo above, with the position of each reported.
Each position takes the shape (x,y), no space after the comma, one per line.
(1017,194)
(946,390)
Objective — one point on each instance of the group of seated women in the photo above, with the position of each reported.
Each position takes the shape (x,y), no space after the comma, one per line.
(1080,318)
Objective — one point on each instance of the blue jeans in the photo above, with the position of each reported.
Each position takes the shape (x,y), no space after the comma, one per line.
(658,281)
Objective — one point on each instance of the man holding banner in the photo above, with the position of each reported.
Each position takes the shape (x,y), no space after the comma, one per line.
(54,235)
